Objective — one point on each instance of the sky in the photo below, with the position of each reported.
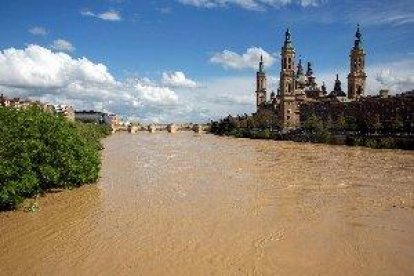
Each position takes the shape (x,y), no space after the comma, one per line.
(191,60)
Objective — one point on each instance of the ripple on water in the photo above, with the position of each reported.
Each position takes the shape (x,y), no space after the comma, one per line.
(202,205)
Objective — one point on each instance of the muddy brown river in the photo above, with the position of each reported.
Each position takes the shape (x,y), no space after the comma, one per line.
(186,204)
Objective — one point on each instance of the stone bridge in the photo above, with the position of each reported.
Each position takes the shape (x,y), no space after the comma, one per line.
(172,128)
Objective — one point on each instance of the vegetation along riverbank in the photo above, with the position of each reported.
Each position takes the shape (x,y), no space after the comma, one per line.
(40,151)
(346,131)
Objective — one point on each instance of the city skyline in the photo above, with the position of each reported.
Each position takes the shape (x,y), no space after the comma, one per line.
(191,60)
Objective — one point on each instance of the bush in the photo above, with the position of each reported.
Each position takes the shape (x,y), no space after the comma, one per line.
(262,134)
(40,151)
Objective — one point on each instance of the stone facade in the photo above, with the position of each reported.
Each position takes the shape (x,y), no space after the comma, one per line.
(383,110)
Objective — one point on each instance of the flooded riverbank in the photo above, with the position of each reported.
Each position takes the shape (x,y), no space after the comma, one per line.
(186,204)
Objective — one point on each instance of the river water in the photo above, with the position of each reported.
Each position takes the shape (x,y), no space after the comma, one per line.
(186,204)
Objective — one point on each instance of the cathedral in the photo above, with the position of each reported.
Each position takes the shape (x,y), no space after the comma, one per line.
(298,86)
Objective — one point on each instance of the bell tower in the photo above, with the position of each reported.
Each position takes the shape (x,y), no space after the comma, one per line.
(261,90)
(287,72)
(287,83)
(357,76)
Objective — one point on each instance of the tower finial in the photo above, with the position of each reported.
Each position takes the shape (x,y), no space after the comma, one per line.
(309,72)
(288,38)
(358,40)
(287,35)
(261,64)
(358,32)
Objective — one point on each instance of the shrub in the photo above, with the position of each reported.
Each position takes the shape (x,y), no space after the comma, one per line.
(40,151)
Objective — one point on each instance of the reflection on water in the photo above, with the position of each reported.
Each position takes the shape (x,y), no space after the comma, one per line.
(187,204)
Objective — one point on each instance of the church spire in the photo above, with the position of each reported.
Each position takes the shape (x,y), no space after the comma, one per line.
(261,83)
(358,40)
(300,68)
(288,39)
(261,66)
(337,92)
(357,76)
(309,72)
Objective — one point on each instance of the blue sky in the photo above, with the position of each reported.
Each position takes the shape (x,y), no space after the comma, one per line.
(190,60)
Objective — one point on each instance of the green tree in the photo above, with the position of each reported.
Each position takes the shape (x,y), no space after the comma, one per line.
(40,151)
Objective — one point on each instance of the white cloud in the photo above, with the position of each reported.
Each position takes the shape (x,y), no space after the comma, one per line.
(395,13)
(250,4)
(56,77)
(63,45)
(223,95)
(38,67)
(156,94)
(110,15)
(178,79)
(394,81)
(38,31)
(249,59)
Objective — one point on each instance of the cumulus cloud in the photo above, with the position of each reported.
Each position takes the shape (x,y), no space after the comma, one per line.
(39,67)
(178,79)
(250,4)
(150,93)
(38,31)
(223,96)
(249,59)
(110,15)
(56,77)
(392,80)
(63,45)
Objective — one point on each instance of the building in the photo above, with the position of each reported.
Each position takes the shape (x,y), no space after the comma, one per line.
(22,104)
(66,111)
(90,116)
(385,111)
(261,83)
(97,117)
(298,87)
(15,102)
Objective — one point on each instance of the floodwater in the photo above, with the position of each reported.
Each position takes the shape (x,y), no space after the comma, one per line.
(186,204)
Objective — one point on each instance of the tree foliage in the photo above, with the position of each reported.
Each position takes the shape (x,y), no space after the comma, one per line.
(40,151)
